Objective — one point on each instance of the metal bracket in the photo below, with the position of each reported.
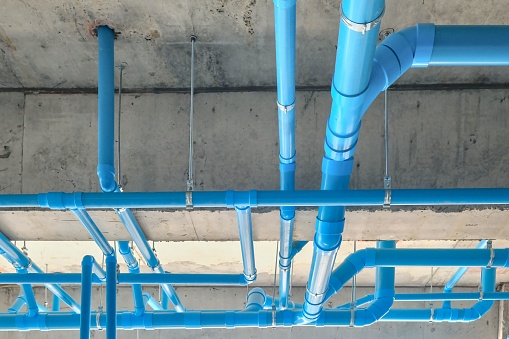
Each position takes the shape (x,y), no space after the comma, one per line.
(287,108)
(352,315)
(189,200)
(388,191)
(492,254)
(361,28)
(98,318)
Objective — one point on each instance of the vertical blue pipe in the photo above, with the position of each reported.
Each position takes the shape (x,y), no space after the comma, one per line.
(354,60)
(246,242)
(86,296)
(165,301)
(285,31)
(134,267)
(106,109)
(28,294)
(457,276)
(111,297)
(55,304)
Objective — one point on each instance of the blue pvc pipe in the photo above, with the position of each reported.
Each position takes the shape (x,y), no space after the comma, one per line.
(255,299)
(133,266)
(149,299)
(17,305)
(458,275)
(371,257)
(106,109)
(165,301)
(111,297)
(230,199)
(55,304)
(245,226)
(129,278)
(461,271)
(134,230)
(94,231)
(30,301)
(285,32)
(86,296)
(470,46)
(21,261)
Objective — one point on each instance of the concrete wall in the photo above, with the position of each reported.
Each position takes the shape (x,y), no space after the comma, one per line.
(437,139)
(233,298)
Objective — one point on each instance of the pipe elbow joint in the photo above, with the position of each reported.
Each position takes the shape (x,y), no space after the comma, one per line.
(106,174)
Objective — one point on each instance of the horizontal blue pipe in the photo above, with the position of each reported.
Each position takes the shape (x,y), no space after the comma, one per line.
(470,46)
(371,257)
(459,296)
(299,198)
(128,278)
(106,109)
(203,319)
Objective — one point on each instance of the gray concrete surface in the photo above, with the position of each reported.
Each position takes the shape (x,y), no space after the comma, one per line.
(437,139)
(232,298)
(47,44)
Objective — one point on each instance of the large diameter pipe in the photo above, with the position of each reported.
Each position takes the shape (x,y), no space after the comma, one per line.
(246,242)
(106,109)
(470,46)
(86,296)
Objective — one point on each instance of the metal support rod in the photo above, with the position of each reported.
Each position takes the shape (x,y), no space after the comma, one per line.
(86,296)
(190,181)
(119,172)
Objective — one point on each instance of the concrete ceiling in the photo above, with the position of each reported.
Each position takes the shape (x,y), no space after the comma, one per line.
(48,43)
(47,46)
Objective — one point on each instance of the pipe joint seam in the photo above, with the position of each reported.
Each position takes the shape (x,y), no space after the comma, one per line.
(424,45)
(287,167)
(241,199)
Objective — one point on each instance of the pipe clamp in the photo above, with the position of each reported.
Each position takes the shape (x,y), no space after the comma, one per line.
(361,28)
(286,108)
(189,200)
(388,191)
(492,257)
